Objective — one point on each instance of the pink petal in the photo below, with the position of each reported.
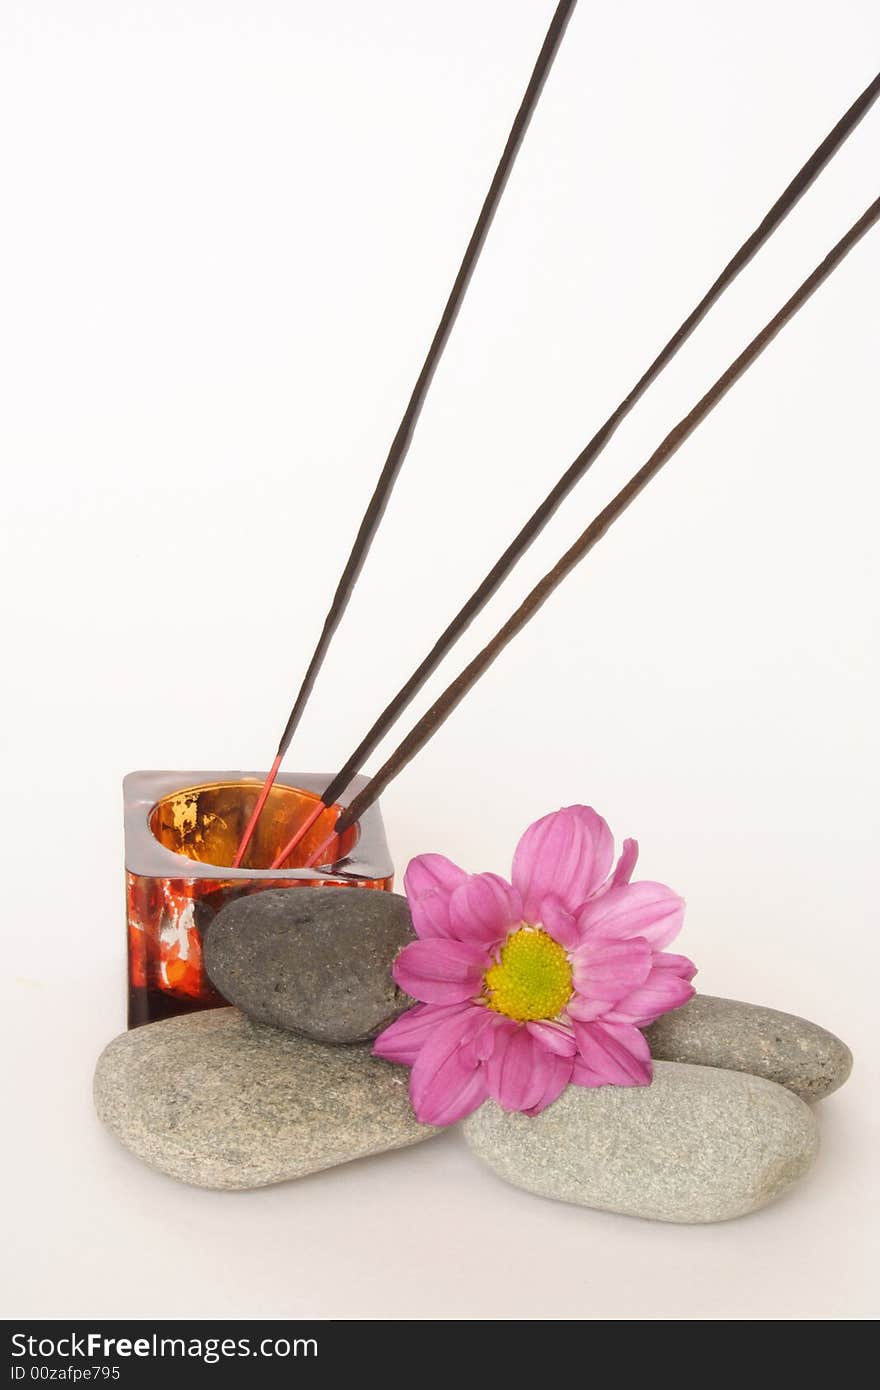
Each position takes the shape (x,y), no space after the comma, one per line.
(608,970)
(429,883)
(519,1069)
(483,908)
(585,1010)
(556,1084)
(443,1085)
(479,1044)
(428,872)
(454,1093)
(430,915)
(650,910)
(667,960)
(554,1038)
(440,971)
(623,870)
(615,1052)
(663,990)
(582,1075)
(403,1039)
(565,855)
(558,923)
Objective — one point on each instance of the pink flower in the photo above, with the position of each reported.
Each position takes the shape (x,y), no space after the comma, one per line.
(531,985)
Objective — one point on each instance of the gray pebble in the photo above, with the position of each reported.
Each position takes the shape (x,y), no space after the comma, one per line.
(746,1037)
(697,1145)
(317,960)
(218,1101)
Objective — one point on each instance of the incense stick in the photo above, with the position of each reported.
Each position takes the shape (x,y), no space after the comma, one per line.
(440,711)
(401,442)
(533,527)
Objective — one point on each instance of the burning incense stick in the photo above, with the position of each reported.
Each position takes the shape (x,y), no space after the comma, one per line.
(387,478)
(455,693)
(533,527)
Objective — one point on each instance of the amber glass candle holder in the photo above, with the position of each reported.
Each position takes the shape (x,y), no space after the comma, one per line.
(182,830)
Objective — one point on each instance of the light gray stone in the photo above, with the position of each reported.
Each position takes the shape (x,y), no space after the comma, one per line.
(698,1144)
(216,1100)
(725,1033)
(316,961)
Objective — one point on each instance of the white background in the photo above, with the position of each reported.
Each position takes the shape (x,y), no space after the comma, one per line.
(229,231)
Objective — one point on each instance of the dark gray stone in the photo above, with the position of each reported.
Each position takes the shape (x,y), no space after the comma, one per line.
(713,1032)
(218,1101)
(697,1145)
(316,960)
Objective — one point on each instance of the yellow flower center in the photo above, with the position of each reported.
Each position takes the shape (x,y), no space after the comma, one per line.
(532,979)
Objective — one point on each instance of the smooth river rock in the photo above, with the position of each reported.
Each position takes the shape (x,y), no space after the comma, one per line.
(746,1037)
(699,1144)
(218,1101)
(316,960)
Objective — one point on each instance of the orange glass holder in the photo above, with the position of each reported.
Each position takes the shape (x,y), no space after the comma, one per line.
(182,830)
